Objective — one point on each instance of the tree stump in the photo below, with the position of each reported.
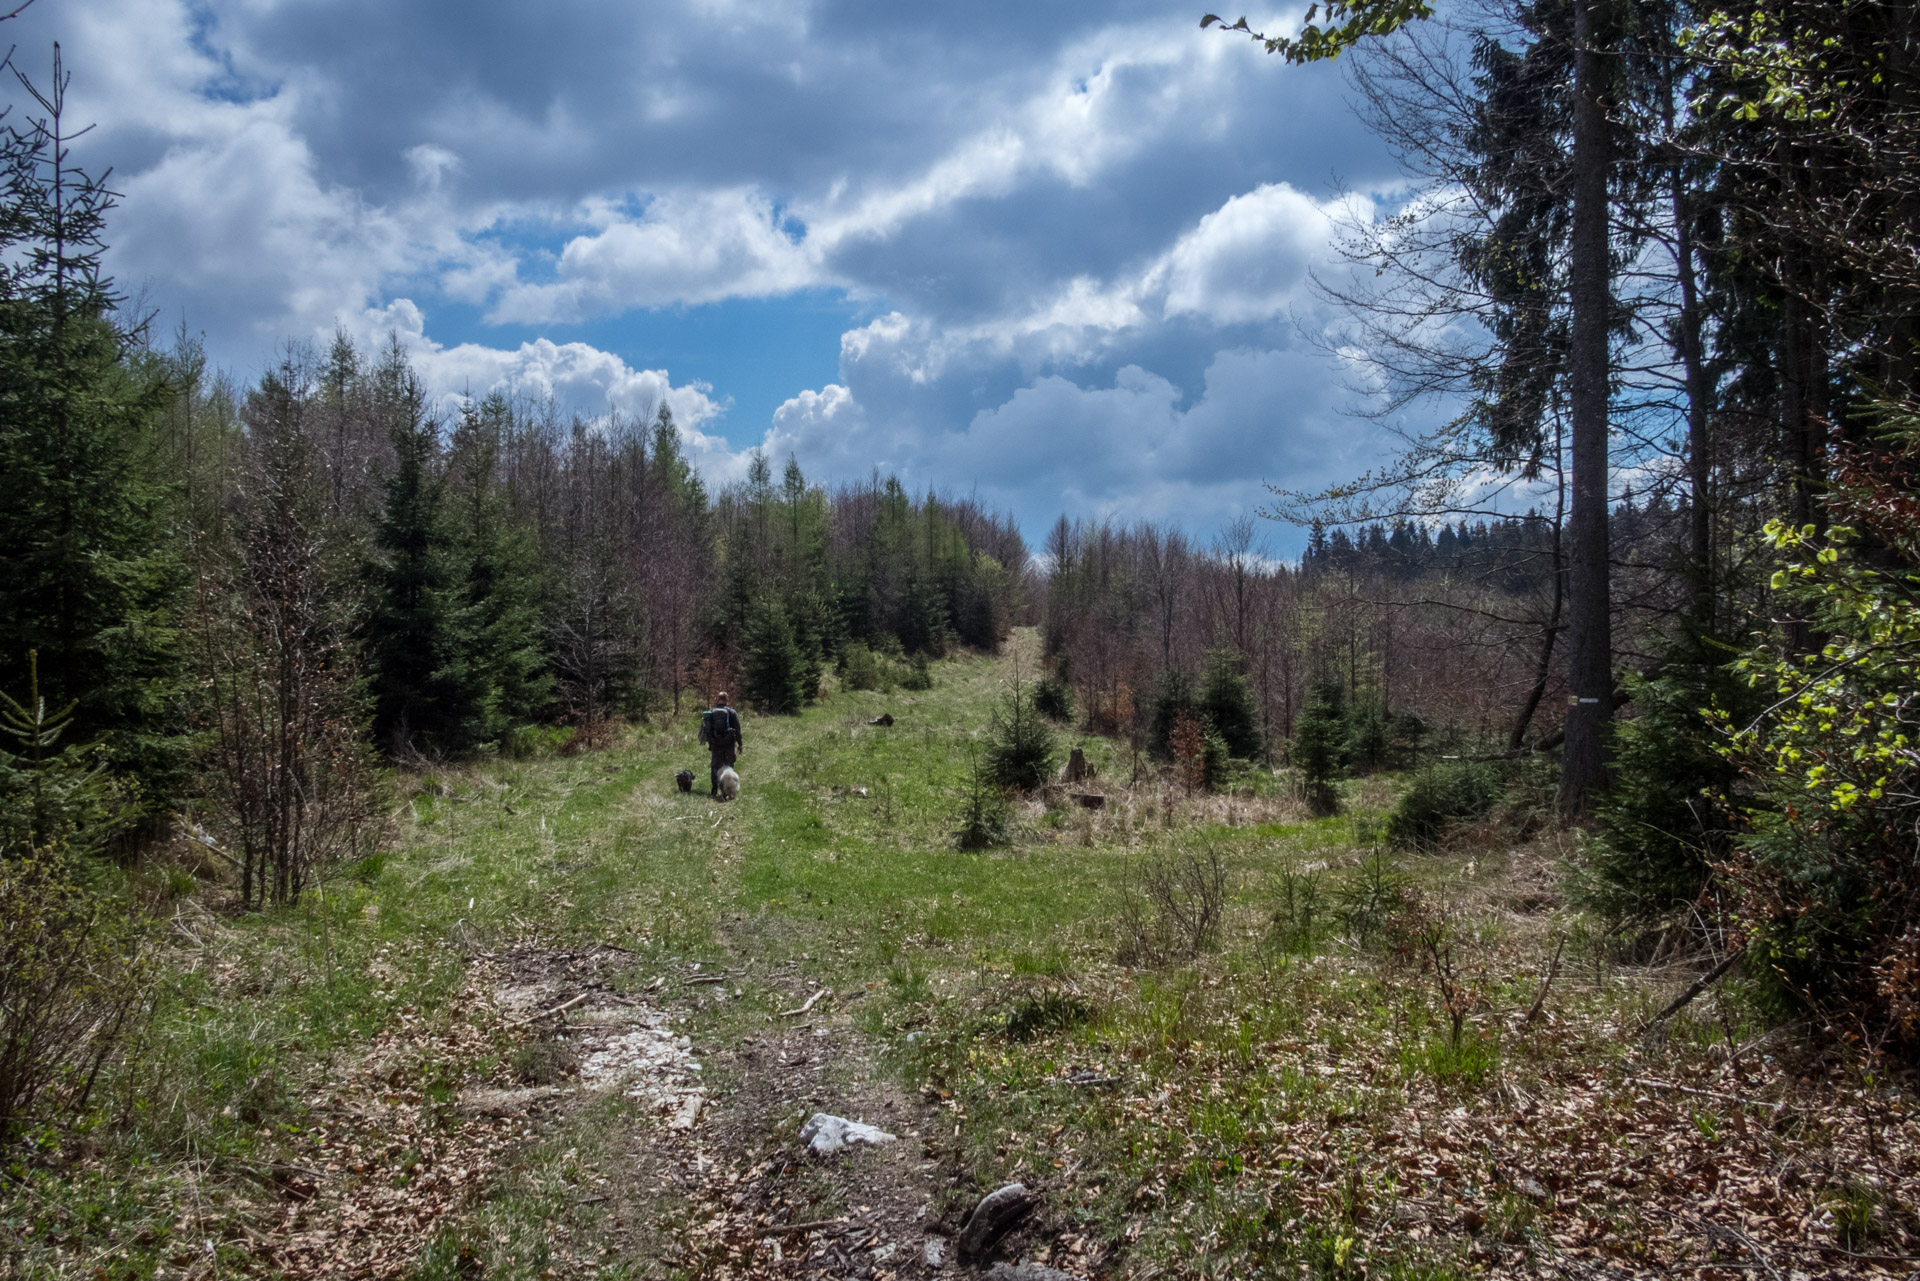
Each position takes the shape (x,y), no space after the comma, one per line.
(1078,770)
(993,1218)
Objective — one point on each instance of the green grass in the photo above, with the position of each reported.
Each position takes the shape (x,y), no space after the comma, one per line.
(1256,1082)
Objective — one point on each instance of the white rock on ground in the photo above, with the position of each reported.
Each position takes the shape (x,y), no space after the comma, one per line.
(648,1063)
(827,1134)
(1027,1272)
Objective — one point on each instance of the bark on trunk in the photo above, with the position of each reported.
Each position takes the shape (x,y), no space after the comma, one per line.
(1699,403)
(1583,762)
(1543,668)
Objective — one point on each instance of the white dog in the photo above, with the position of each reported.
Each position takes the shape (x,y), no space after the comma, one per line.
(729,784)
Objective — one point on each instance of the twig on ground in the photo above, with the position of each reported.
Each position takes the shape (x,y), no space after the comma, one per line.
(1746,1244)
(547,1014)
(1766,1038)
(795,1013)
(1538,1011)
(1710,1094)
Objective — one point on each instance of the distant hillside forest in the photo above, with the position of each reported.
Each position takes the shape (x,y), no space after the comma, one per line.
(442,582)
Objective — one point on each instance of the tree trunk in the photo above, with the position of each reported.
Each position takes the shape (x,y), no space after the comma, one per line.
(1543,668)
(1794,365)
(1699,401)
(1589,606)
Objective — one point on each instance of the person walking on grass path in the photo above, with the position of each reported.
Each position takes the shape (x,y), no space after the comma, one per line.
(720,731)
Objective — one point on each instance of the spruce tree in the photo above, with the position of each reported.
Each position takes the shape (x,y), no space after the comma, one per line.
(775,666)
(498,628)
(423,694)
(1319,742)
(1020,745)
(1173,696)
(88,575)
(1226,705)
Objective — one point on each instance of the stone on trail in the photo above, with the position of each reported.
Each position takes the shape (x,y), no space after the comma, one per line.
(828,1134)
(997,1212)
(1027,1272)
(934,1254)
(1529,1187)
(687,1112)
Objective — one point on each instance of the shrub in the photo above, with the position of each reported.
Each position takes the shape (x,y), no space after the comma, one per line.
(919,673)
(861,668)
(1199,754)
(1672,811)
(1441,794)
(1370,897)
(1045,1012)
(1020,746)
(1188,746)
(528,742)
(1172,906)
(1299,914)
(70,982)
(1053,698)
(49,792)
(1823,874)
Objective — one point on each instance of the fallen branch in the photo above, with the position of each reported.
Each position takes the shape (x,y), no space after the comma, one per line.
(1700,985)
(1884,1260)
(1540,1002)
(273,1172)
(1769,1037)
(1709,1094)
(544,1014)
(1746,1244)
(191,830)
(788,1014)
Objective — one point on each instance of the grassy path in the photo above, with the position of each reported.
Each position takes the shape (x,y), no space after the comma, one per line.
(570,1025)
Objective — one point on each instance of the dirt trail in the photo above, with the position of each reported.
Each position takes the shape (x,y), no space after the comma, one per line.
(707,1173)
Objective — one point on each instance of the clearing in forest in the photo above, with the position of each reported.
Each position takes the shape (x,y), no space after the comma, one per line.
(574,1022)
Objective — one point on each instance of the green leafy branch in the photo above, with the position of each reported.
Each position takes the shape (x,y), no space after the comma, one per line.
(1346,24)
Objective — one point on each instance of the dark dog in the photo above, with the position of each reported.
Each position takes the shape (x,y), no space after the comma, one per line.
(685,779)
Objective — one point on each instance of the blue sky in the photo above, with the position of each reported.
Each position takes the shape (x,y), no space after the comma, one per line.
(1054,254)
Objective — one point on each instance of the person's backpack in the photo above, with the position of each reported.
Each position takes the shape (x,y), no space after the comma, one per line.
(719,727)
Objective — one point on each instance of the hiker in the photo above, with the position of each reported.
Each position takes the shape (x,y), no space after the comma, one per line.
(720,731)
